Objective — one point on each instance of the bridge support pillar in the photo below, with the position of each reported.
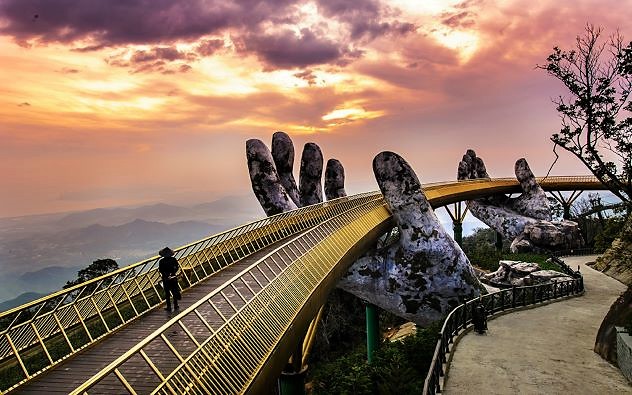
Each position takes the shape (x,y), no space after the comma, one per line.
(372,330)
(292,383)
(292,379)
(566,201)
(458,232)
(498,243)
(457,214)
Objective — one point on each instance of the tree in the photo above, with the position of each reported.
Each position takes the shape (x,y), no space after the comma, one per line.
(596,126)
(94,270)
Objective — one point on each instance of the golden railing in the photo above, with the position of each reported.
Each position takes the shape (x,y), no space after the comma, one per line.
(444,193)
(237,338)
(40,334)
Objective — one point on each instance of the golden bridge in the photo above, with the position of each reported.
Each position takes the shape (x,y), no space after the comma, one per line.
(251,300)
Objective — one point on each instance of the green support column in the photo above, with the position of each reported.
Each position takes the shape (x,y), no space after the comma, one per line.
(499,242)
(372,330)
(457,226)
(292,383)
(292,379)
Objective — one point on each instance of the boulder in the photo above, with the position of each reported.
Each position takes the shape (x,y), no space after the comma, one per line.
(546,276)
(619,315)
(517,273)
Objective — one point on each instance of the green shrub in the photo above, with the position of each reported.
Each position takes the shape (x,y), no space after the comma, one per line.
(398,368)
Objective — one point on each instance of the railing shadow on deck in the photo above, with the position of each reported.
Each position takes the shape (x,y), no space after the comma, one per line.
(502,301)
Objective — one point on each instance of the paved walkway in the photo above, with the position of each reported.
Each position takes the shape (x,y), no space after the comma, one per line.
(545,350)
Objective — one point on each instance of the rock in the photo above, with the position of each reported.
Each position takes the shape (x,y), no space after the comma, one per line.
(425,273)
(310,187)
(546,276)
(519,267)
(617,260)
(617,263)
(620,314)
(511,270)
(334,180)
(516,273)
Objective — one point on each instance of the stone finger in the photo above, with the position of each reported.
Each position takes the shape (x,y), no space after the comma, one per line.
(265,181)
(334,180)
(533,201)
(283,155)
(310,186)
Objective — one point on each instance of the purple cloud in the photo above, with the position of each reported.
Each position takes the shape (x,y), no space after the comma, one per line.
(287,50)
(365,18)
(463,19)
(307,75)
(166,60)
(120,22)
(91,25)
(209,47)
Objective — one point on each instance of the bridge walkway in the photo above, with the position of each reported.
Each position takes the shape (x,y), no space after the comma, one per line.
(548,350)
(77,369)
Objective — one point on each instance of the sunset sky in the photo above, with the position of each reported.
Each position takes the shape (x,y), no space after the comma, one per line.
(125,102)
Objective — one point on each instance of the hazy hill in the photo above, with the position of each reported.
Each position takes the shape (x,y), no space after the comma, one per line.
(21,299)
(40,253)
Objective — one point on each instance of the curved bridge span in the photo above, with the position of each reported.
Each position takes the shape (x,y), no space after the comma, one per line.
(251,293)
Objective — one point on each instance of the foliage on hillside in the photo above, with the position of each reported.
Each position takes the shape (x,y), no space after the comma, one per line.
(398,368)
(480,248)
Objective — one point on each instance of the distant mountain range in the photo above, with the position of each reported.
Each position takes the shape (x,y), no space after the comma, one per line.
(21,299)
(40,253)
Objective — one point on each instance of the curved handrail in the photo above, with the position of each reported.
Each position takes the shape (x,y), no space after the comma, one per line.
(461,316)
(236,330)
(69,320)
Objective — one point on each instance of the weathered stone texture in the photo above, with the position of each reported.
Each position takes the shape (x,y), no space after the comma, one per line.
(264,179)
(617,260)
(425,273)
(619,315)
(310,186)
(334,180)
(283,154)
(526,220)
(519,274)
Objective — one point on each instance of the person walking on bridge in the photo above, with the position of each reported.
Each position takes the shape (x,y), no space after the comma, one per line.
(168,267)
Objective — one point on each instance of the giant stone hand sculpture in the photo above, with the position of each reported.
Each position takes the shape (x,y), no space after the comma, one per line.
(526,220)
(421,276)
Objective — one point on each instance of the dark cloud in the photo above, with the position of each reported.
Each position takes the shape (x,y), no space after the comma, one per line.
(209,47)
(307,75)
(463,19)
(67,70)
(288,50)
(118,22)
(168,54)
(92,25)
(166,60)
(24,104)
(365,18)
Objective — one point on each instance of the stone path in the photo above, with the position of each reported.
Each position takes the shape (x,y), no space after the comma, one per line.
(545,350)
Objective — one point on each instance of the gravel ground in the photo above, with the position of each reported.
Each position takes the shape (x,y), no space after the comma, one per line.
(545,350)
